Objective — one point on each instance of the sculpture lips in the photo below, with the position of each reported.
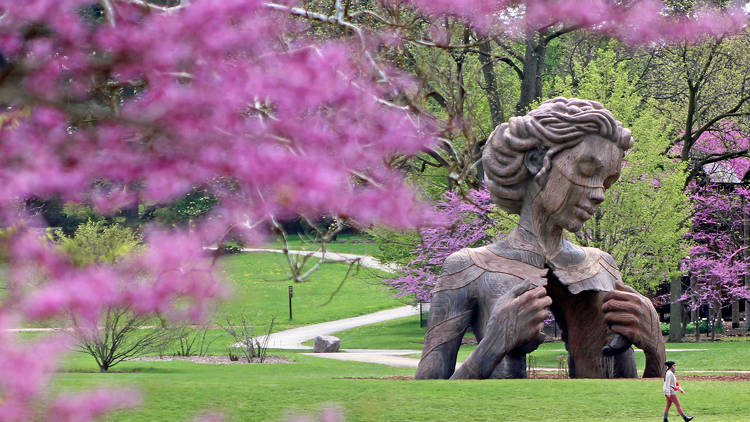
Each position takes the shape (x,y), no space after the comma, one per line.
(587,212)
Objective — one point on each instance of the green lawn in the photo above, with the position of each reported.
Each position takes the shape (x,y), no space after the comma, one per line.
(176,391)
(260,292)
(358,244)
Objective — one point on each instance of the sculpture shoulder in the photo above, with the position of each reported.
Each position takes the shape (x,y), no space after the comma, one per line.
(458,272)
(609,259)
(456,262)
(493,262)
(467,265)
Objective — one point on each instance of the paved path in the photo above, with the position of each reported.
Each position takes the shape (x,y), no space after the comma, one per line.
(293,338)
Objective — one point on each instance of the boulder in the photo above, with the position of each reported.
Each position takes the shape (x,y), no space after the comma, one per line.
(326,344)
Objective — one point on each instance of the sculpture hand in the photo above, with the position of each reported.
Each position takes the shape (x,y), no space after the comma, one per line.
(515,324)
(632,315)
(524,317)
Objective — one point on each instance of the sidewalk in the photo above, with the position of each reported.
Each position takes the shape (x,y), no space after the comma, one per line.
(293,338)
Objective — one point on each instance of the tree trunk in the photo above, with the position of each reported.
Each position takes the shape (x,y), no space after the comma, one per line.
(714,320)
(675,310)
(493,99)
(696,314)
(490,84)
(533,65)
(746,243)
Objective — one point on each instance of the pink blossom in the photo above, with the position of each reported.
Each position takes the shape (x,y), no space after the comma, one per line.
(91,405)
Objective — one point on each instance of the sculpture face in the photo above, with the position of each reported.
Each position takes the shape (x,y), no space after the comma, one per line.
(577,180)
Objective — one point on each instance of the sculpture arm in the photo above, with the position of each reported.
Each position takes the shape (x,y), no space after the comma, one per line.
(451,312)
(516,320)
(631,314)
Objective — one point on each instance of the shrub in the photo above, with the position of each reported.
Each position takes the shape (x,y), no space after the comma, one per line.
(96,242)
(246,341)
(119,333)
(191,341)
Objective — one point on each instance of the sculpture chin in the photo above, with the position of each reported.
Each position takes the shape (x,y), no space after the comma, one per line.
(575,226)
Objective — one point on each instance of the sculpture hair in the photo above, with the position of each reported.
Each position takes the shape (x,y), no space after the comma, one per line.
(556,125)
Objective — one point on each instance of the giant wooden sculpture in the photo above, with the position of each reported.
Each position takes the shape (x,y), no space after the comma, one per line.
(551,167)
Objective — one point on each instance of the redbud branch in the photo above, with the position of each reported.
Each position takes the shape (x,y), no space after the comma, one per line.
(146,4)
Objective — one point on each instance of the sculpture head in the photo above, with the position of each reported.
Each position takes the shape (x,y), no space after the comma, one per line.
(566,152)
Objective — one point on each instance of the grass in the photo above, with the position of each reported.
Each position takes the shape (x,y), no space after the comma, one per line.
(358,244)
(260,292)
(176,391)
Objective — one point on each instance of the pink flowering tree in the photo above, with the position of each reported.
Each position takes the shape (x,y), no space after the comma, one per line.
(718,261)
(469,219)
(116,103)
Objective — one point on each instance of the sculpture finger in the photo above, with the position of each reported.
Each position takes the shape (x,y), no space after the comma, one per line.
(541,316)
(626,331)
(520,288)
(617,295)
(543,302)
(621,318)
(613,306)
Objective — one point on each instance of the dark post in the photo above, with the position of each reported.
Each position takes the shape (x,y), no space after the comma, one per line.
(421,321)
(675,309)
(291,293)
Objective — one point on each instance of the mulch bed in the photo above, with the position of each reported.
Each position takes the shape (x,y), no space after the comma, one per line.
(213,360)
(729,377)
(726,377)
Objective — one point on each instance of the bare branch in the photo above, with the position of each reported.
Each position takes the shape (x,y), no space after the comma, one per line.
(426,43)
(109,12)
(149,5)
(562,31)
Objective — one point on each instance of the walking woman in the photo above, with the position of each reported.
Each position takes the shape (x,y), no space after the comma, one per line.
(671,387)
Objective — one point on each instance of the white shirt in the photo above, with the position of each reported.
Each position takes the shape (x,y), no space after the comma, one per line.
(670,382)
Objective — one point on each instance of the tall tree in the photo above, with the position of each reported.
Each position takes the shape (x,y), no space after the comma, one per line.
(701,87)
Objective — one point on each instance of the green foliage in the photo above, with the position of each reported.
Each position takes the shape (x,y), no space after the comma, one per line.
(193,206)
(641,223)
(394,247)
(79,213)
(96,242)
(705,327)
(66,216)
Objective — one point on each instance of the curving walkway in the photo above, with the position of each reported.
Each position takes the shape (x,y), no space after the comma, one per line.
(294,337)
